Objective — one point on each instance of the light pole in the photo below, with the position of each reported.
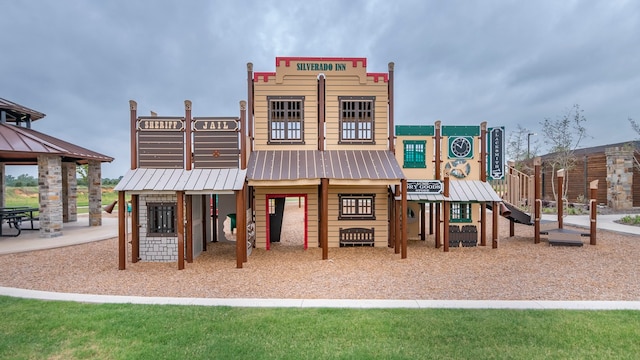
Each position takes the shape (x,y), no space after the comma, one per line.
(529,144)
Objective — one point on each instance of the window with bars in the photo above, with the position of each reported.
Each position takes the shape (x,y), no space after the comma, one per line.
(414,153)
(286,120)
(161,219)
(356,119)
(355,207)
(460,213)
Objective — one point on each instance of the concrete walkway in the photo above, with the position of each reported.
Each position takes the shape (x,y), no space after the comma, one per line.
(79,232)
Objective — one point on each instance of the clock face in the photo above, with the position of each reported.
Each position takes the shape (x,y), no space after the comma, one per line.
(460,147)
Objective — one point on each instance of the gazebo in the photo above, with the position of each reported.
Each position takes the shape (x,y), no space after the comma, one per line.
(57,161)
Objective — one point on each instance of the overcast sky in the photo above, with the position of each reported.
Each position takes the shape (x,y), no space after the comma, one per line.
(461,62)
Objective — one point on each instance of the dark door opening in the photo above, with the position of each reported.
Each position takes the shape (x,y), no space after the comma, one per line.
(287,220)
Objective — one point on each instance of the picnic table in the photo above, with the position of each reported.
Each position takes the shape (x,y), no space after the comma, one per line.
(14,216)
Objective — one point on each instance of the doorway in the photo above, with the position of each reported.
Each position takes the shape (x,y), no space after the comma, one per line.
(287,220)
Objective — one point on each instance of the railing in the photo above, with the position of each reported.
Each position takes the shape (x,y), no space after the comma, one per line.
(516,188)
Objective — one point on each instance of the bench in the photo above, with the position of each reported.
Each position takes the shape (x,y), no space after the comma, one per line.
(357,237)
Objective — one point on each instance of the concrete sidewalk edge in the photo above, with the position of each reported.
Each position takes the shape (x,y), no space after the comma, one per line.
(325,303)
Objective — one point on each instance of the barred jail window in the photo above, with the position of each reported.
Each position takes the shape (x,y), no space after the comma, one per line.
(161,219)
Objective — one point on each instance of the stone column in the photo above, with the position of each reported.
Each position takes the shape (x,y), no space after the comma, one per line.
(69,192)
(94,182)
(619,178)
(50,190)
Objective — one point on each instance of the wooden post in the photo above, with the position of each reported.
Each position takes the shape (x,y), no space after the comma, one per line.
(189,229)
(180,224)
(447,212)
(431,215)
(593,203)
(240,247)
(187,145)
(321,111)
(438,175)
(206,211)
(483,223)
(135,228)
(133,107)
(397,242)
(560,202)
(391,106)
(494,237)
(483,151)
(122,232)
(324,220)
(392,219)
(243,134)
(423,222)
(241,223)
(404,211)
(537,204)
(250,104)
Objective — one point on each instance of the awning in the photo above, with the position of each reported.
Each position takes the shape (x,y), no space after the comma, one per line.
(461,191)
(196,181)
(339,165)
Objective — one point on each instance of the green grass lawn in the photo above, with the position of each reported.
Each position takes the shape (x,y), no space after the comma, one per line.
(33,329)
(28,196)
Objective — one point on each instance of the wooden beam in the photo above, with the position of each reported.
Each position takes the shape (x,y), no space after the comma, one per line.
(423,222)
(404,213)
(324,218)
(593,188)
(189,227)
(494,237)
(240,247)
(180,225)
(537,205)
(206,211)
(135,228)
(483,223)
(122,231)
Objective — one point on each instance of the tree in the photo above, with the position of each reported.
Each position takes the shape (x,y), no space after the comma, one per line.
(519,145)
(83,171)
(564,135)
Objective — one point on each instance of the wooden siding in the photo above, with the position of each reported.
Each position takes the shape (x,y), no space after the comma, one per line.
(160,149)
(306,86)
(351,86)
(427,173)
(587,168)
(381,223)
(216,150)
(261,212)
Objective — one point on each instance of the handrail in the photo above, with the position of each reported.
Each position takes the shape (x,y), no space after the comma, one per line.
(517,188)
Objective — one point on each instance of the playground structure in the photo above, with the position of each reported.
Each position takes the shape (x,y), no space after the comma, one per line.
(521,194)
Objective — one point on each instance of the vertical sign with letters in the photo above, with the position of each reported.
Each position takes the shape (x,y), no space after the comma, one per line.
(496,153)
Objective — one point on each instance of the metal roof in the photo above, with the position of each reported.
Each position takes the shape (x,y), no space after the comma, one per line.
(21,145)
(17,111)
(461,191)
(278,165)
(205,181)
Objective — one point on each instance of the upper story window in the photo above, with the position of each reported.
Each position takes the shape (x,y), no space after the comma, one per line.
(356,119)
(414,153)
(286,119)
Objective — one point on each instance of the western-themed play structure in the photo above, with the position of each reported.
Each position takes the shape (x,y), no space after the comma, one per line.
(320,132)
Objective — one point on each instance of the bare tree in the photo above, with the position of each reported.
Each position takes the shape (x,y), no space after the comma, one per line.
(519,145)
(563,136)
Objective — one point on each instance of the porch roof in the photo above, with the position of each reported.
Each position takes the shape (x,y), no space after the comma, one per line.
(292,165)
(461,191)
(205,181)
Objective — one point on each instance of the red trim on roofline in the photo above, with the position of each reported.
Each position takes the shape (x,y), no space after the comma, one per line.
(377,76)
(287,60)
(265,76)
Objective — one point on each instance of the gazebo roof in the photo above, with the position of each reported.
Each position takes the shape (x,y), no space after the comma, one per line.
(16,112)
(21,146)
